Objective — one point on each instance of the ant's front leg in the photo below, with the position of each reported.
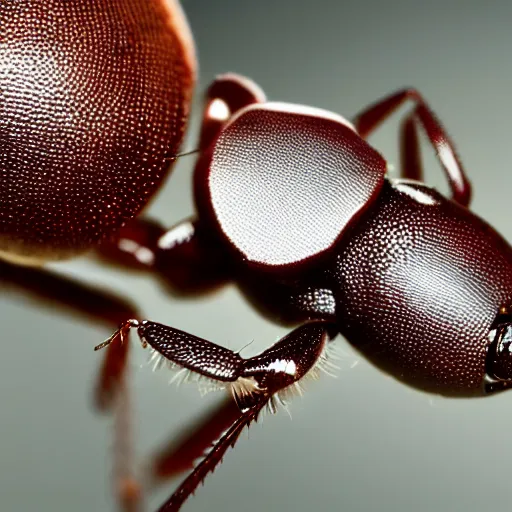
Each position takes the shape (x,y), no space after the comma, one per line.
(265,379)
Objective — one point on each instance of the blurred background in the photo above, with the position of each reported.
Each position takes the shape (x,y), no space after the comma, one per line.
(361,442)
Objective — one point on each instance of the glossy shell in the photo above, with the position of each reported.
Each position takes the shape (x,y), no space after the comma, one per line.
(94,97)
(418,287)
(284,181)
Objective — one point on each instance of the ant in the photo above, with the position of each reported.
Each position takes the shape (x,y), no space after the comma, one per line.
(293,203)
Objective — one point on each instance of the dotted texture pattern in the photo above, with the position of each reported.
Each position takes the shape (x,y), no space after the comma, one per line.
(191,352)
(94,96)
(284,185)
(418,287)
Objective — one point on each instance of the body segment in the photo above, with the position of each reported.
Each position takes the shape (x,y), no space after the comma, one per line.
(94,98)
(418,287)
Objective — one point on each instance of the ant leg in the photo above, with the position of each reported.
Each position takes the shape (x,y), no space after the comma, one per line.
(127,488)
(179,455)
(244,377)
(261,380)
(185,255)
(366,121)
(227,94)
(410,150)
(68,294)
(212,459)
(85,300)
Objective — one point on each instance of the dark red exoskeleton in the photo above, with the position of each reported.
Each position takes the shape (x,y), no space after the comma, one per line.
(296,206)
(94,99)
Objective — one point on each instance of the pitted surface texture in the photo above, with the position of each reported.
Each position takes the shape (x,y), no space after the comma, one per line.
(419,286)
(284,184)
(93,99)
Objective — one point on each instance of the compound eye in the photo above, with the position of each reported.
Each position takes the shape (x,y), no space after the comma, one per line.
(499,358)
(284,181)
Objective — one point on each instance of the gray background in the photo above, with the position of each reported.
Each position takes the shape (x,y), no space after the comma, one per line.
(358,442)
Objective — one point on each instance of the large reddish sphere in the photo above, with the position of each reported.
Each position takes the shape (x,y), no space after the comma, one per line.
(94,98)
